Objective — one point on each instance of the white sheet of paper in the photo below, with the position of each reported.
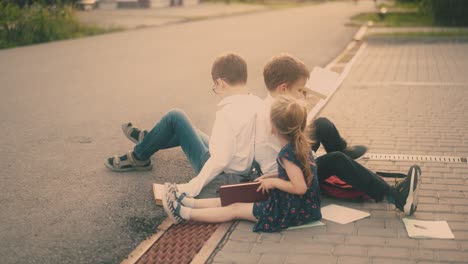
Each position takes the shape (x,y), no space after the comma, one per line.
(428,229)
(311,224)
(322,80)
(342,215)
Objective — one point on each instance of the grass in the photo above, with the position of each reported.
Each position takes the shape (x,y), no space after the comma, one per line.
(400,14)
(448,34)
(395,19)
(402,5)
(410,5)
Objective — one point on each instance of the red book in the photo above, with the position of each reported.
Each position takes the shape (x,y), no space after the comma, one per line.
(241,193)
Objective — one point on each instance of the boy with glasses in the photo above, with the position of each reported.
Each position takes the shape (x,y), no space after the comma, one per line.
(230,150)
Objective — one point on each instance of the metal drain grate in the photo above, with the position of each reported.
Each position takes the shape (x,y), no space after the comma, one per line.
(179,244)
(401,157)
(404,157)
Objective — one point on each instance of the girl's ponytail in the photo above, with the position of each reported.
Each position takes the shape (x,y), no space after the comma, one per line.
(302,147)
(289,116)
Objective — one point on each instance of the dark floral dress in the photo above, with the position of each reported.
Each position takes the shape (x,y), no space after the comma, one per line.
(283,209)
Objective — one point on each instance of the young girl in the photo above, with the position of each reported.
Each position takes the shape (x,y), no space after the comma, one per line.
(294,190)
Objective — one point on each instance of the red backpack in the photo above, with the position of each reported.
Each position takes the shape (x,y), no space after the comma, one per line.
(335,187)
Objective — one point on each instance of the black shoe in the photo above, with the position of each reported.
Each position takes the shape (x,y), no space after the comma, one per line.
(405,192)
(355,152)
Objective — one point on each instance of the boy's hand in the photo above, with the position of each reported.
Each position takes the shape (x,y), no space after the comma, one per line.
(266,185)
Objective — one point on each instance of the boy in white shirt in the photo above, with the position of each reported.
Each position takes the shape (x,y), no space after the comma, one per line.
(230,149)
(285,74)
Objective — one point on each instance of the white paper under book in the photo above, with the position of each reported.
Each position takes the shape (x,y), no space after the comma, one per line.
(310,224)
(428,229)
(342,215)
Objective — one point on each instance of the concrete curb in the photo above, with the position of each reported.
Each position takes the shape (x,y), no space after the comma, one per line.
(218,236)
(358,37)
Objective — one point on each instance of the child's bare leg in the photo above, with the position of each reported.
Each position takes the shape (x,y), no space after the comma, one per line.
(242,211)
(207,203)
(198,203)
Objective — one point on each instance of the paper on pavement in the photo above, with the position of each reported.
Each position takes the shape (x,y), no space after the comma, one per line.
(428,229)
(342,215)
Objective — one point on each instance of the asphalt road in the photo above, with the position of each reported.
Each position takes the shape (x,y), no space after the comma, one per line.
(62,104)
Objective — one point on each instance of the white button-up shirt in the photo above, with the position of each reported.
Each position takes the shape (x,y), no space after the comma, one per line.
(231,143)
(267,145)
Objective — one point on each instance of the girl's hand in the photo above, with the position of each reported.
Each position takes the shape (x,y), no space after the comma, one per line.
(266,185)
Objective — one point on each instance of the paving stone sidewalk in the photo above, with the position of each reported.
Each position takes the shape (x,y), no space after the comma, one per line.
(406,96)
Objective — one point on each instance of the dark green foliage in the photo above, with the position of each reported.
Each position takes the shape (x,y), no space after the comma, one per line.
(24,3)
(37,23)
(448,12)
(443,12)
(396,19)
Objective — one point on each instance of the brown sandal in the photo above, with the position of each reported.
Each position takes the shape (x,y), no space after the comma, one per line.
(129,163)
(134,134)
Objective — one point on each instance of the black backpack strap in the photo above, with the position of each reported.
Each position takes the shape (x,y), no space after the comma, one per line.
(391,174)
(256,171)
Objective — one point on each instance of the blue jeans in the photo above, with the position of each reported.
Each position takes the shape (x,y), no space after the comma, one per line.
(174,130)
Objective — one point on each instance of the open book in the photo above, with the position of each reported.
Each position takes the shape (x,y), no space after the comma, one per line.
(321,82)
(241,193)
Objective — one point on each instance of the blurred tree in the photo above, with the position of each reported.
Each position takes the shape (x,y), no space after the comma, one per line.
(447,12)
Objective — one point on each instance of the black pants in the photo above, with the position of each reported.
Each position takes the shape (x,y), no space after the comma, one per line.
(324,132)
(353,173)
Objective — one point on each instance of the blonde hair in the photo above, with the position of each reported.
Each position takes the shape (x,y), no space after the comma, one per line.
(289,117)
